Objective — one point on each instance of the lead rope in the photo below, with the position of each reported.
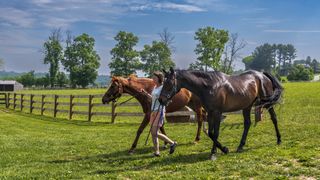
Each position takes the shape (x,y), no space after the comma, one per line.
(126,100)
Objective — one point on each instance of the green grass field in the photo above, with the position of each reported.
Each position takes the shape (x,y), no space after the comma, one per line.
(42,147)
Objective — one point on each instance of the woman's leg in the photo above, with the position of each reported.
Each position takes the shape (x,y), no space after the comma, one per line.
(164,138)
(154,131)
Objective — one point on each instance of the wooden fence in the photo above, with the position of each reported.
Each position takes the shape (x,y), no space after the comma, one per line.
(18,101)
(3,99)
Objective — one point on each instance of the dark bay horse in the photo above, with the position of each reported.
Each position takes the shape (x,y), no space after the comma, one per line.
(222,93)
(133,86)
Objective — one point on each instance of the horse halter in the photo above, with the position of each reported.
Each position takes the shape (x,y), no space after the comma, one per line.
(114,97)
(173,91)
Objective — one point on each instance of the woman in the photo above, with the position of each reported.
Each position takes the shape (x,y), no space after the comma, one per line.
(157,115)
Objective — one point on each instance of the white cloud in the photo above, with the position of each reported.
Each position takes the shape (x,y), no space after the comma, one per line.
(167,6)
(190,32)
(291,31)
(186,8)
(262,21)
(16,17)
(213,5)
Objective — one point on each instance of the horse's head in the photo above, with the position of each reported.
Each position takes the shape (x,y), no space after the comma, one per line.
(114,92)
(170,87)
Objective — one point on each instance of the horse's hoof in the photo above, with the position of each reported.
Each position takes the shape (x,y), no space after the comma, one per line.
(279,142)
(213,157)
(240,150)
(196,141)
(225,150)
(131,151)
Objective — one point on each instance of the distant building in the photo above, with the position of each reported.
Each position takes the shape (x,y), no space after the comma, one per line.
(10,85)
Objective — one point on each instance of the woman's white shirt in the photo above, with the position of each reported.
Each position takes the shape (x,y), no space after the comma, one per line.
(155,96)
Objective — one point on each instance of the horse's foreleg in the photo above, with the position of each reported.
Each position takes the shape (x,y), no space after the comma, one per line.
(247,124)
(214,127)
(275,123)
(143,125)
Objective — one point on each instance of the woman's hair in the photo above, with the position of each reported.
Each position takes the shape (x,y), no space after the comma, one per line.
(159,75)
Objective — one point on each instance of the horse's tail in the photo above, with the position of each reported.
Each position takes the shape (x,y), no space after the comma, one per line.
(277,91)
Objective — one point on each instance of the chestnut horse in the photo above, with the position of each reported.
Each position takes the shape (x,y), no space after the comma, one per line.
(222,93)
(133,86)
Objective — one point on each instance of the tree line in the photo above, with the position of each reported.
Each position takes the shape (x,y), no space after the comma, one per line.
(279,60)
(216,49)
(213,44)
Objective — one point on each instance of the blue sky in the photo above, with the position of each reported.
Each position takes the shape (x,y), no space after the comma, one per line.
(26,24)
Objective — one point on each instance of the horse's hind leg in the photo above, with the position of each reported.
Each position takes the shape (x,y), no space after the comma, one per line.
(247,124)
(275,123)
(199,119)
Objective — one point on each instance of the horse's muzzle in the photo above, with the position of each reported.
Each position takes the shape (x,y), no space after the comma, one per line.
(104,101)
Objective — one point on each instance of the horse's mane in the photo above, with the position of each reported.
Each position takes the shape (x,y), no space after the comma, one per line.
(119,79)
(205,78)
(133,81)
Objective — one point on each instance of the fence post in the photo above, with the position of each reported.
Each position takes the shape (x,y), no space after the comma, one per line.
(8,100)
(113,112)
(71,106)
(31,103)
(90,107)
(55,105)
(42,103)
(21,102)
(14,101)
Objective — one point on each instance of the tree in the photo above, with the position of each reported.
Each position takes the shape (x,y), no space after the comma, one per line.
(155,57)
(247,62)
(53,54)
(125,60)
(284,56)
(196,66)
(210,47)
(232,53)
(43,81)
(81,61)
(315,66)
(262,58)
(308,61)
(27,79)
(168,39)
(62,79)
(300,73)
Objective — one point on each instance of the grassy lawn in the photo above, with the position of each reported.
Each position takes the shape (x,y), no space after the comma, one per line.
(34,146)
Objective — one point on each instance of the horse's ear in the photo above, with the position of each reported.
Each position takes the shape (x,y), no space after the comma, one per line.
(132,76)
(164,71)
(171,70)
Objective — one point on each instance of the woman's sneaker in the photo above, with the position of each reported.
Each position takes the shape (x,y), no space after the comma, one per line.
(173,147)
(156,154)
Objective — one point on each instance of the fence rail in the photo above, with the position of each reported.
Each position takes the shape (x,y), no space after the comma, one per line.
(53,104)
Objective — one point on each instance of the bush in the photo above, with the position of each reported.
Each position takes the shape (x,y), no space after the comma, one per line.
(300,73)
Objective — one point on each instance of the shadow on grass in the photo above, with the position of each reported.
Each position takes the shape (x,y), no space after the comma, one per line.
(120,161)
(155,162)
